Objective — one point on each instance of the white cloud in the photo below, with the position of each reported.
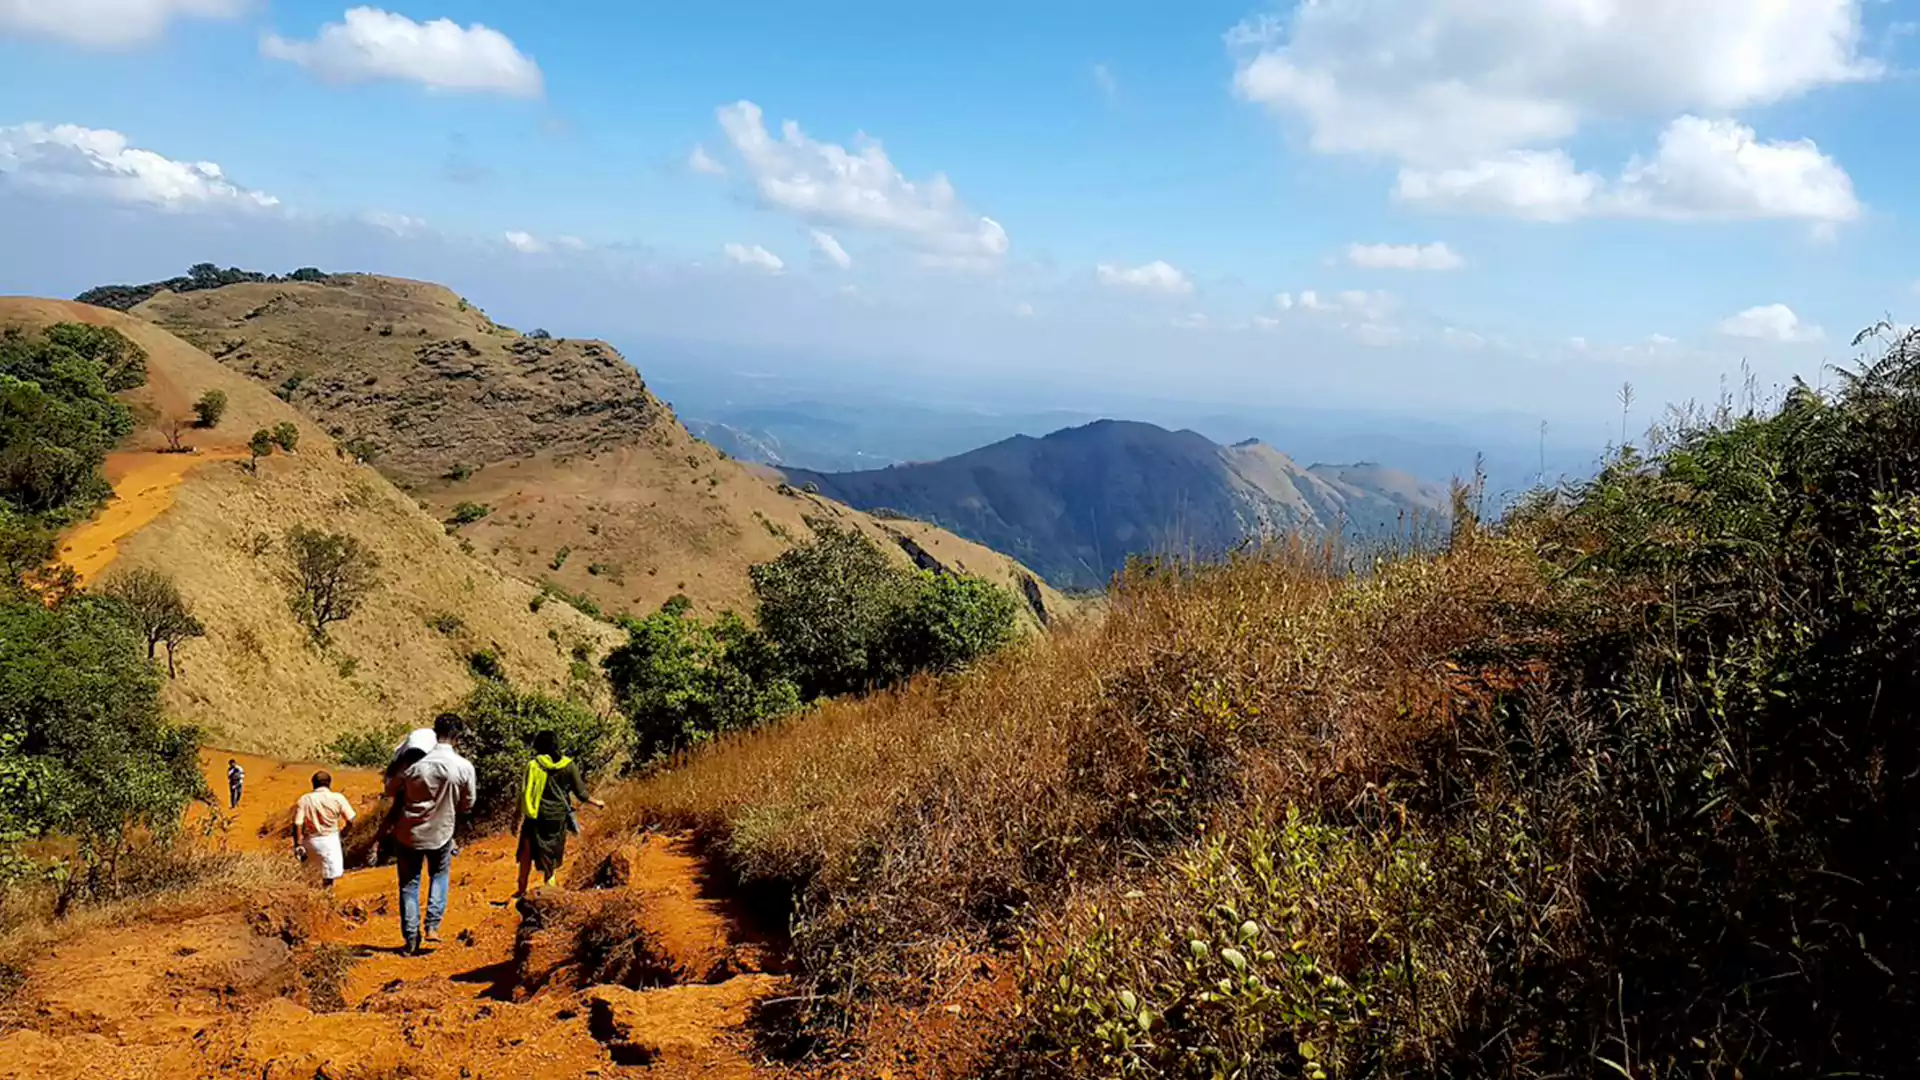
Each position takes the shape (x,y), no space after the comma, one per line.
(524,242)
(1192,321)
(830,249)
(1770,322)
(1264,322)
(66,159)
(1156,276)
(1662,340)
(1579,343)
(1369,306)
(1404,257)
(1443,81)
(827,184)
(107,24)
(755,256)
(1023,310)
(371,45)
(1703,170)
(702,162)
(397,224)
(1103,77)
(1536,185)
(1456,338)
(571,243)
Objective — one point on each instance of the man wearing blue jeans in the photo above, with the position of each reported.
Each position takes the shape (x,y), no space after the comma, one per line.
(428,798)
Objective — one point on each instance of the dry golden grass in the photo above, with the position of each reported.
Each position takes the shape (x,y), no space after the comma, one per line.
(255,682)
(559,438)
(915,827)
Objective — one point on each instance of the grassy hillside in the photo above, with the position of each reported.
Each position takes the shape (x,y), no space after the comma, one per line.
(1078,503)
(1626,786)
(254,682)
(585,479)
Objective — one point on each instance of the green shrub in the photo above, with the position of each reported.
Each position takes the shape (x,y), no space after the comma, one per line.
(368,748)
(211,407)
(679,680)
(328,576)
(446,622)
(58,415)
(467,513)
(286,435)
(559,558)
(84,748)
(501,723)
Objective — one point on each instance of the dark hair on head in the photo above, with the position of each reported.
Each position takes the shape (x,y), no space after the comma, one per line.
(448,726)
(546,742)
(323,778)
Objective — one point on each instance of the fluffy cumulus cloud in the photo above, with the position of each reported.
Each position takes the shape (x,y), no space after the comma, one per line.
(1473,98)
(1156,276)
(1437,79)
(830,249)
(371,45)
(1770,322)
(107,24)
(1703,170)
(828,184)
(755,256)
(1404,257)
(65,159)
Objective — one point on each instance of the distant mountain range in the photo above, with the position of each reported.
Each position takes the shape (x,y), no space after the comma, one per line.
(1076,504)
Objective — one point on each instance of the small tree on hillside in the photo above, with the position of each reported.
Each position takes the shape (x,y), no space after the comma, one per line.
(328,576)
(176,433)
(155,605)
(286,435)
(261,445)
(210,408)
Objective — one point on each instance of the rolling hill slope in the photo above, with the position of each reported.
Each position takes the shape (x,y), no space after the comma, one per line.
(587,480)
(1077,503)
(254,682)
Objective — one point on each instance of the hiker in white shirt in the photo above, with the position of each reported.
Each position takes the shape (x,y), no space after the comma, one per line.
(318,819)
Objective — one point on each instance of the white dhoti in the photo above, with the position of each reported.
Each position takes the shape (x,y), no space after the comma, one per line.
(325,849)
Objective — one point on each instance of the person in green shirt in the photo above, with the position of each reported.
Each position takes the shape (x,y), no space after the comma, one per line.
(546,809)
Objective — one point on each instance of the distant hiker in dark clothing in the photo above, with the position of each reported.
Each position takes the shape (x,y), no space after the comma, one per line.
(236,779)
(546,810)
(429,797)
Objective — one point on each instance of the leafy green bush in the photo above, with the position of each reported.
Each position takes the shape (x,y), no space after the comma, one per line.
(835,616)
(58,416)
(467,513)
(501,723)
(286,435)
(211,407)
(369,748)
(680,680)
(830,603)
(84,749)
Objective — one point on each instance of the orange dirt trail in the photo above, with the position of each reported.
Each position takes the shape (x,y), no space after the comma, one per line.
(283,985)
(143,485)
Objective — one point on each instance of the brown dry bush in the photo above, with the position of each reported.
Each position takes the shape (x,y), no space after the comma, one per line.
(914,828)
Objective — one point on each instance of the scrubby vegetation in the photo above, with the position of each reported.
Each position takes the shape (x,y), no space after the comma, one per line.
(211,407)
(833,616)
(1625,785)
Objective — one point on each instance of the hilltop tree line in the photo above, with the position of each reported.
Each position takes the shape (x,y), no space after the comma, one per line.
(199,276)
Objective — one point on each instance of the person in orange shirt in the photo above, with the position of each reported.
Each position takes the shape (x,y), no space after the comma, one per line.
(318,818)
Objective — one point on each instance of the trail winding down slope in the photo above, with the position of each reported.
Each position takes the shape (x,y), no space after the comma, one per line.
(276,985)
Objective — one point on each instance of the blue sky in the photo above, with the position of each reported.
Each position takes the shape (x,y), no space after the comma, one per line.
(1420,204)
